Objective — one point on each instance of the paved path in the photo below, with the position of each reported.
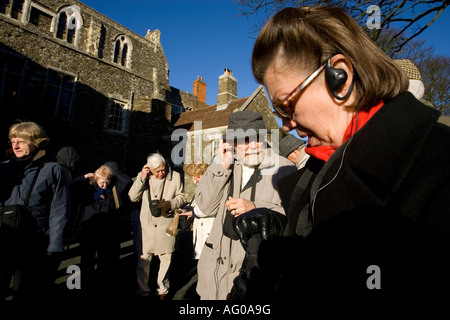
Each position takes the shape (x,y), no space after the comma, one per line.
(183,273)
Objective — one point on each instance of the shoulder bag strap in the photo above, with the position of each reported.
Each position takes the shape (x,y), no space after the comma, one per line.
(162,191)
(231,188)
(150,189)
(116,199)
(27,199)
(228,229)
(254,178)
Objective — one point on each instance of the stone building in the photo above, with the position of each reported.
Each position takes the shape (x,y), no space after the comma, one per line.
(199,131)
(90,82)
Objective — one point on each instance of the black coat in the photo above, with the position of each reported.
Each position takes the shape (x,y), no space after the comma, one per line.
(50,198)
(381,200)
(90,214)
(84,196)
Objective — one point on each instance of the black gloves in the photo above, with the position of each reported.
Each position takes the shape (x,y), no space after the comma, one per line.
(253,227)
(260,221)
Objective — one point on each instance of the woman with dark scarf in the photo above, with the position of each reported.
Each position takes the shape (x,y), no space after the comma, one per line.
(30,179)
(99,196)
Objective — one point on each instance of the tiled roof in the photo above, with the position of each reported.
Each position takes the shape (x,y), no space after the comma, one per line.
(210,117)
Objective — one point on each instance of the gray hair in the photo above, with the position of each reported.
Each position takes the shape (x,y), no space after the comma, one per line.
(155,160)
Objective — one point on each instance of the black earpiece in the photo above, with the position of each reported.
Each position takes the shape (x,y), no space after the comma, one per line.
(335,78)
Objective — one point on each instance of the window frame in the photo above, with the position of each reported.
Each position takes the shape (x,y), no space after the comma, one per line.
(60,88)
(126,108)
(5,71)
(23,14)
(42,12)
(214,147)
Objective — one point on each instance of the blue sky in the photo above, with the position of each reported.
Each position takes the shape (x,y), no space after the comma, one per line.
(202,37)
(199,38)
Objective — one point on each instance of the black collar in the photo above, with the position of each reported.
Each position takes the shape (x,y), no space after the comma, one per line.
(378,158)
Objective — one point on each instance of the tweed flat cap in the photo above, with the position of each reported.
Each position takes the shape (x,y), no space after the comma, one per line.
(409,68)
(288,144)
(244,123)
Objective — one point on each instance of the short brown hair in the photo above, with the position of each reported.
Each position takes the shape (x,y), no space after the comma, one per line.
(307,36)
(195,169)
(30,131)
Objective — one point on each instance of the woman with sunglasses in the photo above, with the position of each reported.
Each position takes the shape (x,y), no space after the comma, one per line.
(368,215)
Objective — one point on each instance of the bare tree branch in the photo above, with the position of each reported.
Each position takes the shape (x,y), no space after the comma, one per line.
(402,21)
(406,16)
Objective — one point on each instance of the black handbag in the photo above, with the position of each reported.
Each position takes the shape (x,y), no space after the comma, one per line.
(186,223)
(154,203)
(18,218)
(154,208)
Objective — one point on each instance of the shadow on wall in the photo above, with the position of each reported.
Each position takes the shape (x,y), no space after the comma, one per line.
(84,122)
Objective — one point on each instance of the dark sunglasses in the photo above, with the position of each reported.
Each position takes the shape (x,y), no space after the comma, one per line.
(285,108)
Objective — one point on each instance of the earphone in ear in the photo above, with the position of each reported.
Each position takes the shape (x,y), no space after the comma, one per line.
(335,78)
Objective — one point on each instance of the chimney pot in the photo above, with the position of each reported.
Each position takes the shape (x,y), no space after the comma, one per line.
(227,89)
(199,89)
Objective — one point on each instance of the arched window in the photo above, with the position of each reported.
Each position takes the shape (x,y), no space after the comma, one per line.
(122,51)
(68,23)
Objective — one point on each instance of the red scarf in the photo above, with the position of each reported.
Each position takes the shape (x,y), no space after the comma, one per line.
(324,152)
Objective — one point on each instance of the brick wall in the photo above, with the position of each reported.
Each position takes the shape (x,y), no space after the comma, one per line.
(199,89)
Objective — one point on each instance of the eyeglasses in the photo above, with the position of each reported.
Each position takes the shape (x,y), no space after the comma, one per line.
(285,108)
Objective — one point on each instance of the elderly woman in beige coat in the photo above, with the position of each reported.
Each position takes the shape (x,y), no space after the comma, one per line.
(163,186)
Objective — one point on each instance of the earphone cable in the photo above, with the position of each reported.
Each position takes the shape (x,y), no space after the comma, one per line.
(340,166)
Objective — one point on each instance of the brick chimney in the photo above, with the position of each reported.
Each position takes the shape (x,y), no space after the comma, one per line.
(227,89)
(199,89)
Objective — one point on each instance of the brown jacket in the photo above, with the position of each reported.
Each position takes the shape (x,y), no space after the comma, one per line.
(222,257)
(152,235)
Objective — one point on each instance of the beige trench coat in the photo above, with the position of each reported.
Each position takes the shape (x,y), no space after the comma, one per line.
(222,257)
(152,235)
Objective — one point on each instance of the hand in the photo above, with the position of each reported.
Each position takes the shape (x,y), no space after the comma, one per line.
(145,172)
(165,207)
(186,213)
(238,206)
(89,175)
(226,154)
